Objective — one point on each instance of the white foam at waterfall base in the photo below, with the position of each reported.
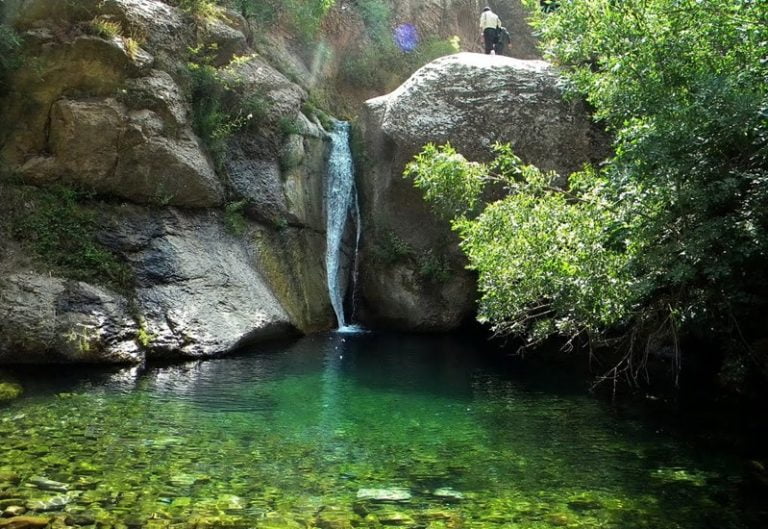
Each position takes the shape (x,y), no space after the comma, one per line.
(341,200)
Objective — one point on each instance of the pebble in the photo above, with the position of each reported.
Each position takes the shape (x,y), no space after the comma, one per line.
(24,522)
(447,493)
(386,495)
(51,504)
(48,484)
(14,510)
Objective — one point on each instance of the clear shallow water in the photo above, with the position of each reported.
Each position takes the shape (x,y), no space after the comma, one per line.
(290,437)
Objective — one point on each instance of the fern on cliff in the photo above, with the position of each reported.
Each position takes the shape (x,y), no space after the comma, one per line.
(10,54)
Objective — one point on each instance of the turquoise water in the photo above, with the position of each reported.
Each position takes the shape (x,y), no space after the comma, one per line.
(318,433)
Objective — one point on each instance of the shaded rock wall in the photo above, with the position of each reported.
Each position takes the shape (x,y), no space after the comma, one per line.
(221,255)
(472,101)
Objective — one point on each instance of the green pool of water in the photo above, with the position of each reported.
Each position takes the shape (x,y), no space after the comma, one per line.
(350,431)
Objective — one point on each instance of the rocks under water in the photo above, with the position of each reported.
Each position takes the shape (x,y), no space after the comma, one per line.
(401,432)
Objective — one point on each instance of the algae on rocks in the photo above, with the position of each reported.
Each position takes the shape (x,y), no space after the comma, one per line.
(9,391)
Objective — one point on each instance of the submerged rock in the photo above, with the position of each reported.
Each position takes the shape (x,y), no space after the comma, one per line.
(336,518)
(395,518)
(9,391)
(48,484)
(14,510)
(447,493)
(55,503)
(24,522)
(394,494)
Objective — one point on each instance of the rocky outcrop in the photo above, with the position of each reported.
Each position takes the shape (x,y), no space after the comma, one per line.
(221,255)
(49,319)
(349,31)
(197,289)
(413,272)
(100,144)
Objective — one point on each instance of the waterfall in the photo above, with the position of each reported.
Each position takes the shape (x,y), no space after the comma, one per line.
(341,203)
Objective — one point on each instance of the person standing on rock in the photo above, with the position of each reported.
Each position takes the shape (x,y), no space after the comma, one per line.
(489,27)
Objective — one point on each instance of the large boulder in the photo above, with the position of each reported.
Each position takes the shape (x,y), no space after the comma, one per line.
(414,275)
(254,76)
(201,289)
(84,65)
(162,26)
(47,319)
(101,145)
(198,293)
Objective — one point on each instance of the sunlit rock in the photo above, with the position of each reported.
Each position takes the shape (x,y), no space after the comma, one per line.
(393,494)
(45,318)
(413,274)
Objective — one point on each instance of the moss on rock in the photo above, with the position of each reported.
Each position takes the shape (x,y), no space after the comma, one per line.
(10,391)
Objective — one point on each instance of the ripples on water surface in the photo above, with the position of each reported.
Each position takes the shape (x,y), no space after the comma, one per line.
(290,438)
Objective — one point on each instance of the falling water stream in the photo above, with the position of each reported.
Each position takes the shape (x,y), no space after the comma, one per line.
(341,204)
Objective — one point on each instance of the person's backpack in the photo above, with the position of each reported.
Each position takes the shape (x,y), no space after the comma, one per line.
(503,36)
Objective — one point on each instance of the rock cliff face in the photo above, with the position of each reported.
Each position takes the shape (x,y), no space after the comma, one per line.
(219,255)
(413,272)
(206,242)
(344,35)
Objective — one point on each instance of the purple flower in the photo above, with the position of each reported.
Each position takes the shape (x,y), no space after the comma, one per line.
(406,37)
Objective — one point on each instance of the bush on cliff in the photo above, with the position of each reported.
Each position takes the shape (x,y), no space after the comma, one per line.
(62,233)
(10,54)
(671,235)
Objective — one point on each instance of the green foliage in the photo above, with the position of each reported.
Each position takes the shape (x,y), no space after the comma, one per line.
(62,232)
(288,126)
(9,391)
(200,8)
(674,228)
(131,46)
(377,16)
(433,267)
(684,87)
(262,12)
(255,109)
(143,336)
(10,54)
(382,65)
(312,110)
(302,18)
(218,110)
(545,258)
(234,216)
(430,266)
(391,249)
(106,28)
(449,182)
(210,119)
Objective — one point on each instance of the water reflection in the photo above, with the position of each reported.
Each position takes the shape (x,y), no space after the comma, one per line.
(292,432)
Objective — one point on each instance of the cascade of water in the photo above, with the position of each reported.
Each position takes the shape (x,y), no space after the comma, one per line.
(341,200)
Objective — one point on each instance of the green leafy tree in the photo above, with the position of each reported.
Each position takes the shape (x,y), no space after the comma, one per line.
(672,233)
(547,259)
